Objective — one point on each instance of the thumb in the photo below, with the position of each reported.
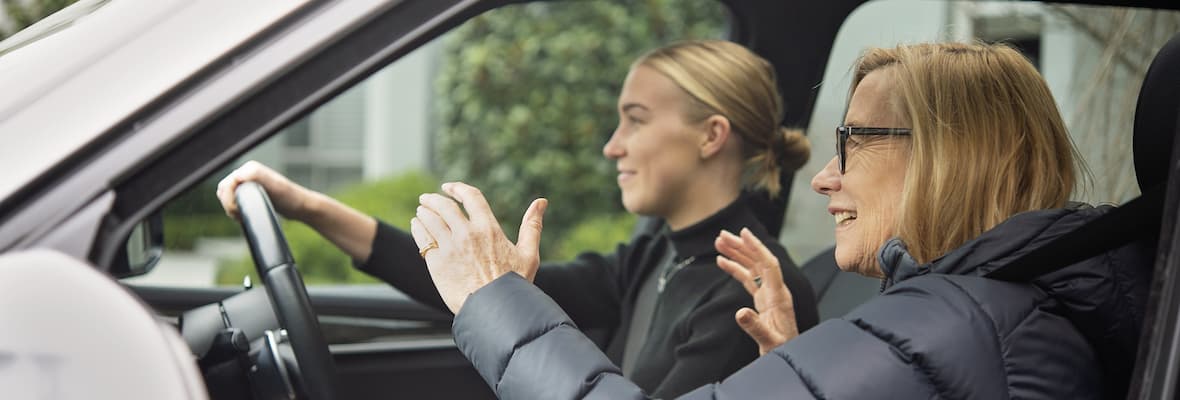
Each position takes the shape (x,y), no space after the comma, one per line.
(528,242)
(747,319)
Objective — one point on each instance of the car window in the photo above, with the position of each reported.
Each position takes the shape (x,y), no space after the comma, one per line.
(518,101)
(1093,58)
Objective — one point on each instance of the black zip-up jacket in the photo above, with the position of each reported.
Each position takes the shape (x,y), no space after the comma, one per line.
(940,330)
(693,338)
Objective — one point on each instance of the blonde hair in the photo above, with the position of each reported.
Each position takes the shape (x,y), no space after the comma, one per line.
(987,142)
(724,78)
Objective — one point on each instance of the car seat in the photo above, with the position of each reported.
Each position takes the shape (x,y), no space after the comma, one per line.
(837,292)
(69,332)
(1155,156)
(1156,116)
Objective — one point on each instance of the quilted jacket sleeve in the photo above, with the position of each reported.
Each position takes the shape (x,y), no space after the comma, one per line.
(587,287)
(525,347)
(918,341)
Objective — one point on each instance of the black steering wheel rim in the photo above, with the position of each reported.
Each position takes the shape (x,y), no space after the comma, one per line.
(288,295)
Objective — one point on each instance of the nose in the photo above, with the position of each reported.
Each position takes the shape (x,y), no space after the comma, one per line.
(827,180)
(614,147)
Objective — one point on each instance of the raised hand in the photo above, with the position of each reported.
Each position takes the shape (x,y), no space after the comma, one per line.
(748,261)
(466,252)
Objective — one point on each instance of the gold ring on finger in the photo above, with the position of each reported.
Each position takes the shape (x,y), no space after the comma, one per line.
(433,245)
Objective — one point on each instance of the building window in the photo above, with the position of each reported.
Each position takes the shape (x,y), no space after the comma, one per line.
(299,134)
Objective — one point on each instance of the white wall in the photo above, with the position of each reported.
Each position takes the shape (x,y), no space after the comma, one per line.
(398,121)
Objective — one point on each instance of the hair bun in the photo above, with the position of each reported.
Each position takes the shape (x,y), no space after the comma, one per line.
(793,149)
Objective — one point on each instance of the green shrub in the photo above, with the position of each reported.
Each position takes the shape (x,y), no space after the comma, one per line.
(527,94)
(601,233)
(392,200)
(195,214)
(182,231)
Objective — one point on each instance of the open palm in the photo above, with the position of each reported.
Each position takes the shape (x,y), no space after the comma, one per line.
(748,261)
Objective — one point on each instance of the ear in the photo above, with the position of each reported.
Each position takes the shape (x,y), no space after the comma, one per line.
(717,132)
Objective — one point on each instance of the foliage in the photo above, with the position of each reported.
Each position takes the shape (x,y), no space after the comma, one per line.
(182,231)
(196,214)
(25,13)
(393,200)
(527,99)
(601,233)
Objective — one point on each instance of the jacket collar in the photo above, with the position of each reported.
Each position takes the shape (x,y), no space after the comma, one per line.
(993,249)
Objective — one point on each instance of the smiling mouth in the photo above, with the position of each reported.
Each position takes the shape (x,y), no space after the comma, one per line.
(844,216)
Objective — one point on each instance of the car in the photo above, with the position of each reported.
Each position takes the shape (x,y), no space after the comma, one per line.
(116,111)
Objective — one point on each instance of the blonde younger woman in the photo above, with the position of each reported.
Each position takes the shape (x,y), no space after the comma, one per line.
(698,122)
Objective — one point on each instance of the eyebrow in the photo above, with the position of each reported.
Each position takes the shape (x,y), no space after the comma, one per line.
(629,106)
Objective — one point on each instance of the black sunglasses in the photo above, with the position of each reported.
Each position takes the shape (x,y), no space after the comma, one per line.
(844,131)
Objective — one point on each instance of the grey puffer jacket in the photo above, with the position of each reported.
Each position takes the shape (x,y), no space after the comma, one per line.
(939,330)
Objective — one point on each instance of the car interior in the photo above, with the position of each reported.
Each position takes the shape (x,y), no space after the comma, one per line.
(300,337)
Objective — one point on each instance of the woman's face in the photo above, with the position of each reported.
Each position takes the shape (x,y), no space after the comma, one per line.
(655,150)
(865,200)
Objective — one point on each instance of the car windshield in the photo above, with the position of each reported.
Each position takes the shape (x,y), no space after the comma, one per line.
(52,24)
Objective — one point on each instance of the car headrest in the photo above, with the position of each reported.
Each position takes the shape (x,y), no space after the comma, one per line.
(1156,116)
(70,332)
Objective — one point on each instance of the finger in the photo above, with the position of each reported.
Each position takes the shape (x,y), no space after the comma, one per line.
(253,171)
(748,320)
(248,171)
(731,246)
(225,194)
(767,264)
(473,201)
(447,210)
(739,273)
(251,168)
(422,236)
(528,242)
(435,225)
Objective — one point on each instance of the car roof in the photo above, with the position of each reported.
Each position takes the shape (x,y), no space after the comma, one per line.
(97,62)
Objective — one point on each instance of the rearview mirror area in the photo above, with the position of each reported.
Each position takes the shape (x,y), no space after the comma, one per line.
(142,250)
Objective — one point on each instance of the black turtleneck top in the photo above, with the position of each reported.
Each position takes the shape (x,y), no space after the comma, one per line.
(693,339)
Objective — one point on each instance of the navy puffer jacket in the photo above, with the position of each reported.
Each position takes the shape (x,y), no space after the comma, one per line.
(939,330)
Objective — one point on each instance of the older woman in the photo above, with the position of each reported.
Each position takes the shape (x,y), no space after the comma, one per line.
(952,160)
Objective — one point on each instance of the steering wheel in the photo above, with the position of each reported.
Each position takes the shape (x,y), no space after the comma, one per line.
(288,296)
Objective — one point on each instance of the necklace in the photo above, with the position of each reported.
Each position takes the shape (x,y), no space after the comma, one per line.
(672,271)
